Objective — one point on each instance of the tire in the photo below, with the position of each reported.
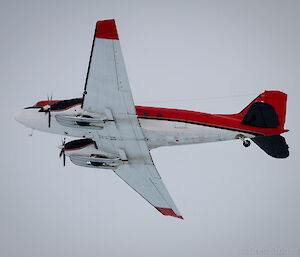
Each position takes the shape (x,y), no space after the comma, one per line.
(246,143)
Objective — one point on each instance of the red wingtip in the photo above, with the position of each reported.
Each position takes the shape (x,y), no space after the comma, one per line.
(106,29)
(168,212)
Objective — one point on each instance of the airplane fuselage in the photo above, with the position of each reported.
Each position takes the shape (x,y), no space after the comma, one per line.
(161,126)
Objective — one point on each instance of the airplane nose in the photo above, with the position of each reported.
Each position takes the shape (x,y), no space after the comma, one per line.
(18,116)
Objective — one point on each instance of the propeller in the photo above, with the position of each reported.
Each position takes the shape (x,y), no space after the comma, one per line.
(62,152)
(49,110)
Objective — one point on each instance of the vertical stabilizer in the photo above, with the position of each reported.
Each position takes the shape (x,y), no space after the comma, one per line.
(268,110)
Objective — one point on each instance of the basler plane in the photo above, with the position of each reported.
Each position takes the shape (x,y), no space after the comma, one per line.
(115,134)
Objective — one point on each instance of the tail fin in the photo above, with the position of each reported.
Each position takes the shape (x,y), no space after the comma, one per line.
(267,110)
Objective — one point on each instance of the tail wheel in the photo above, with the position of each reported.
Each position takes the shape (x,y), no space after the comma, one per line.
(246,143)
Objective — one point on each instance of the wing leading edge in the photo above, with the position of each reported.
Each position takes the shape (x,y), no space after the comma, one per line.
(107,92)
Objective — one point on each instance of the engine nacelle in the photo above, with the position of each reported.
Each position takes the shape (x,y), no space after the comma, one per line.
(96,162)
(84,152)
(83,122)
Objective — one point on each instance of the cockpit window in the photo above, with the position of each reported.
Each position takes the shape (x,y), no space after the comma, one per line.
(38,105)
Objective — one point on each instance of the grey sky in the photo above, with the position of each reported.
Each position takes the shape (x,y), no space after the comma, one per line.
(233,199)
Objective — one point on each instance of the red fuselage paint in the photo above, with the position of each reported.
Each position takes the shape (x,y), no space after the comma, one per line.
(225,121)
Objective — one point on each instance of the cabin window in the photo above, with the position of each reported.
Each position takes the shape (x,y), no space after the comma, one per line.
(146,113)
(159,115)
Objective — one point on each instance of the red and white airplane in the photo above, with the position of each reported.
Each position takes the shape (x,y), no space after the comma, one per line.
(115,134)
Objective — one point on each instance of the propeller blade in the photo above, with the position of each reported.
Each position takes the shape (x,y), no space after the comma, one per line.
(61,152)
(49,109)
(49,99)
(64,159)
(49,118)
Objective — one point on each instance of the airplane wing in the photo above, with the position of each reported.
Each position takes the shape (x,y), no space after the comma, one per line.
(107,92)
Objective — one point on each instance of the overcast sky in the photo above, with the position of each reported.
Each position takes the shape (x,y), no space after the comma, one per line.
(220,55)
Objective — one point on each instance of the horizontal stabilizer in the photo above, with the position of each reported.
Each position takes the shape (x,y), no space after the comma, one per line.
(274,146)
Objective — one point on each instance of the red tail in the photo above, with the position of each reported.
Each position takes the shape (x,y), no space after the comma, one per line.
(267,110)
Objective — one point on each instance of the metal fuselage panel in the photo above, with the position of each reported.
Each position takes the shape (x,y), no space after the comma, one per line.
(169,133)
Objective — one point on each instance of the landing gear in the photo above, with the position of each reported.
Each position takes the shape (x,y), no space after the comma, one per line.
(246,143)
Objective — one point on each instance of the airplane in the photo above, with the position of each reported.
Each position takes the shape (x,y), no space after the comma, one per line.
(115,134)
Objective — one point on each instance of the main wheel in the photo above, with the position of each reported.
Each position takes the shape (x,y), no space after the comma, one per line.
(246,143)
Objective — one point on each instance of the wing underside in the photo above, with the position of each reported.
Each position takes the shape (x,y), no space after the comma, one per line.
(107,93)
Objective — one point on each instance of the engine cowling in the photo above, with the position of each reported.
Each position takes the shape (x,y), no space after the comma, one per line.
(83,122)
(84,152)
